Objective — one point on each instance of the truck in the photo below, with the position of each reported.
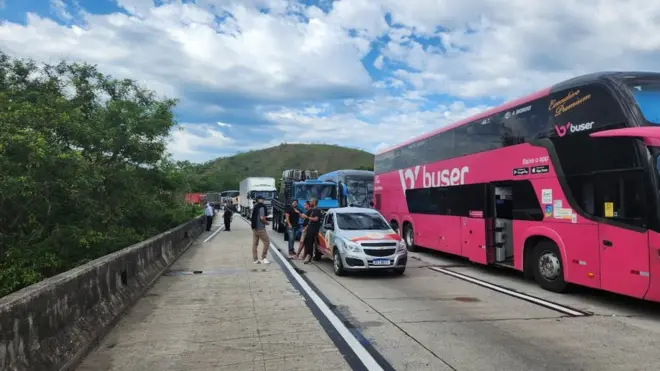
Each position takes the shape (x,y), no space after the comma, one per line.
(250,188)
(195,198)
(301,185)
(214,199)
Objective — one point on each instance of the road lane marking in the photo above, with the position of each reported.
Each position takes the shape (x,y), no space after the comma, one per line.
(360,351)
(214,233)
(516,294)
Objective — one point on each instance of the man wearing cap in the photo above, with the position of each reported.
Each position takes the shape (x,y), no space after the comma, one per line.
(259,223)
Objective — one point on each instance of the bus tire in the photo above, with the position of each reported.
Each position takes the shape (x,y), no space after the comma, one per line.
(548,267)
(409,237)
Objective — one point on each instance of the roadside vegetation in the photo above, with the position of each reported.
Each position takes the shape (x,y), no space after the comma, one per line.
(83,168)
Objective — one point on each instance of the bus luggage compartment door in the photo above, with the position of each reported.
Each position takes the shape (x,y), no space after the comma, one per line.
(473,239)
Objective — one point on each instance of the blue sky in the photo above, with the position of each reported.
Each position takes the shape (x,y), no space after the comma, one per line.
(361,73)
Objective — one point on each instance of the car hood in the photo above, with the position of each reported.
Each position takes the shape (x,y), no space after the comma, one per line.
(369,235)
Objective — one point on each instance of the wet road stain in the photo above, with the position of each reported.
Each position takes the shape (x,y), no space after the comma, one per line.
(467,299)
(214,272)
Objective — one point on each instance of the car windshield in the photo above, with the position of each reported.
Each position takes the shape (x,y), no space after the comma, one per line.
(647,96)
(318,191)
(361,221)
(265,194)
(360,191)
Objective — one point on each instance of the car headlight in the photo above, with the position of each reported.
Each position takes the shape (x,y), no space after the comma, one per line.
(353,247)
(401,247)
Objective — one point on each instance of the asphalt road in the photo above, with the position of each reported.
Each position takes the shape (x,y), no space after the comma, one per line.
(427,320)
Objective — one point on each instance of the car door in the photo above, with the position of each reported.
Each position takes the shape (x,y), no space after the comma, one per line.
(326,231)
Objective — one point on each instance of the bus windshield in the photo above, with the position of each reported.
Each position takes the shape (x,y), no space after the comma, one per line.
(647,96)
(360,190)
(265,194)
(361,222)
(318,191)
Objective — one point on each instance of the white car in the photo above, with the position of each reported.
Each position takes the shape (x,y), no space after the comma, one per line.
(361,239)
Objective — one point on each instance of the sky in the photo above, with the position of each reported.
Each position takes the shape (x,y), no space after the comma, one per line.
(366,74)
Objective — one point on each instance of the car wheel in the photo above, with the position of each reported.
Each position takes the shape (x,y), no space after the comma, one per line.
(400,271)
(337,265)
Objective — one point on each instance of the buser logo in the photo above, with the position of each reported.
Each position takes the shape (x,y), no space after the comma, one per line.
(440,178)
(563,129)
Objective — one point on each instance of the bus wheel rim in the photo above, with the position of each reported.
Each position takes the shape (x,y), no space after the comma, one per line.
(549,265)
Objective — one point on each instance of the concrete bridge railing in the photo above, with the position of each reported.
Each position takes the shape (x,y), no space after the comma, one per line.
(53,324)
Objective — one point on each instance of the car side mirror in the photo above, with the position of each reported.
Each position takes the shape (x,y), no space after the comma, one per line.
(329,226)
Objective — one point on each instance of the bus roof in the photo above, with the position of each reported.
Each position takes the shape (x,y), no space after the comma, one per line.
(347,172)
(567,84)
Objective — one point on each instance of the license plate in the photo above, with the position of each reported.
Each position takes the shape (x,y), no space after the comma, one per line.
(381,262)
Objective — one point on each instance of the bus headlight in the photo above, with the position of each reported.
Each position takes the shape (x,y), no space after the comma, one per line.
(401,247)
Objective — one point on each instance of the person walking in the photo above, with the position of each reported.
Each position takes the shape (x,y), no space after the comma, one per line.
(313,229)
(227,216)
(292,217)
(208,211)
(259,223)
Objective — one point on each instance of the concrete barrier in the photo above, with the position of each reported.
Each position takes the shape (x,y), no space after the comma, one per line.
(53,324)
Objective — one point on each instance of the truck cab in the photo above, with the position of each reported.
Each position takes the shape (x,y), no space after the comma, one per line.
(302,186)
(253,187)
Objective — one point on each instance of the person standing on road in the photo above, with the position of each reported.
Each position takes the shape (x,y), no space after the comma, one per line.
(227,215)
(292,217)
(259,223)
(208,211)
(313,229)
(300,253)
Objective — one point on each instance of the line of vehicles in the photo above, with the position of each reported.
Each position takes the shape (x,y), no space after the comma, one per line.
(563,185)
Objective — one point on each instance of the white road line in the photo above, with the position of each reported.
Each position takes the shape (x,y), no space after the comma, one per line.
(545,303)
(367,360)
(214,233)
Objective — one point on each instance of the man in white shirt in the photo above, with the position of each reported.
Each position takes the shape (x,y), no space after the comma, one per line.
(208,211)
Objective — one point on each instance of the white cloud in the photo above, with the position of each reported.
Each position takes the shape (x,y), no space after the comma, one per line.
(386,120)
(304,70)
(177,46)
(192,142)
(60,9)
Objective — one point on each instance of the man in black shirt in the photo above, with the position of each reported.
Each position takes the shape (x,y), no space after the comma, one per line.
(313,229)
(292,217)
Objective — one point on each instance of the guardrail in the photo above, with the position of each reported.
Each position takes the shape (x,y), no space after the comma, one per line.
(53,324)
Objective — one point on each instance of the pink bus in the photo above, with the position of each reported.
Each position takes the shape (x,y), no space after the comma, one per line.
(562,184)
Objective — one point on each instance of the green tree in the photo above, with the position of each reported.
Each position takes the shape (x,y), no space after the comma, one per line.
(83,168)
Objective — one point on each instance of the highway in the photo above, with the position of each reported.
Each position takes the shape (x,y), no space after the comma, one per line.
(430,320)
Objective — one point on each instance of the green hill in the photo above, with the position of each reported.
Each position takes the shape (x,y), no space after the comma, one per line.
(226,172)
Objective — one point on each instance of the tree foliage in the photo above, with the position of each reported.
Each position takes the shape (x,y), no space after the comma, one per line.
(83,168)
